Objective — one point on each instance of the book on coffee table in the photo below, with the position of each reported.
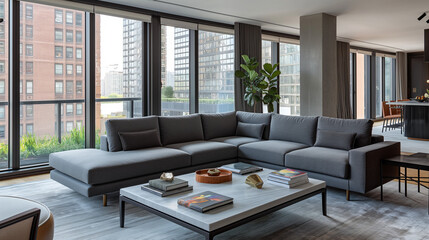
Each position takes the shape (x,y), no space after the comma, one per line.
(161,193)
(204,201)
(286,184)
(168,186)
(289,175)
(241,168)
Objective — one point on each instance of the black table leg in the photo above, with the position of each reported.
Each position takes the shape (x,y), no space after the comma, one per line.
(418,180)
(381,180)
(399,179)
(121,212)
(405,182)
(324,202)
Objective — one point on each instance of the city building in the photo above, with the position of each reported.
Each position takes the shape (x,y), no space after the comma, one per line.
(113,82)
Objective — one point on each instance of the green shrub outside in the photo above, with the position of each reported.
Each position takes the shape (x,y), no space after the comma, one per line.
(32,146)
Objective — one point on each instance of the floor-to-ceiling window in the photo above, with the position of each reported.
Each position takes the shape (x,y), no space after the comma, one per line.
(267,57)
(4,83)
(362,82)
(52,81)
(289,88)
(216,72)
(385,81)
(368,93)
(285,52)
(174,71)
(119,69)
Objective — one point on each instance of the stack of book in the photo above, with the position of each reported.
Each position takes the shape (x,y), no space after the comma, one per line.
(163,188)
(241,168)
(288,178)
(204,201)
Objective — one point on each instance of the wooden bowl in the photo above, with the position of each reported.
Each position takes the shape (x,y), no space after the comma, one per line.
(202,176)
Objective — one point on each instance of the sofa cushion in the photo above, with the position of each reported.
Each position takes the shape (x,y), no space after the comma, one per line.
(264,118)
(139,140)
(334,139)
(235,140)
(252,130)
(93,166)
(271,151)
(206,151)
(180,129)
(362,128)
(114,126)
(217,125)
(293,129)
(328,161)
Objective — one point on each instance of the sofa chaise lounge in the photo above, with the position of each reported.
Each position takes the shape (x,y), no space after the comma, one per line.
(341,152)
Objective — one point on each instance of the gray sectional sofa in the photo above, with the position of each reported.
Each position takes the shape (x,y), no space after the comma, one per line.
(341,152)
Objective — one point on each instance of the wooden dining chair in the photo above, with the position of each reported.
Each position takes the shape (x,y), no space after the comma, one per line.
(391,117)
(22,226)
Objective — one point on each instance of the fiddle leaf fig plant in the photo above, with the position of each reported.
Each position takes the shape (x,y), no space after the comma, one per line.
(259,87)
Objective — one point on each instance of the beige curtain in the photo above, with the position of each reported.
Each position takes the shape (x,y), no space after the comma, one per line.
(401,76)
(343,74)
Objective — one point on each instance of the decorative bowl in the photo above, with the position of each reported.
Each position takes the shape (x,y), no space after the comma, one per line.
(202,176)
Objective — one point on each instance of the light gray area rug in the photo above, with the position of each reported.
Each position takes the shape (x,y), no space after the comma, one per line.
(364,217)
(407,145)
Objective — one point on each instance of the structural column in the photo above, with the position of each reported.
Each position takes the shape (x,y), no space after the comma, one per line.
(318,61)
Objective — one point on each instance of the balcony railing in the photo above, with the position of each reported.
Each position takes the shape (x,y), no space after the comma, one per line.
(58,103)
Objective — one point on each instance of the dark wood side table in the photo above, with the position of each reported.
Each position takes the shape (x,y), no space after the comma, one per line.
(419,161)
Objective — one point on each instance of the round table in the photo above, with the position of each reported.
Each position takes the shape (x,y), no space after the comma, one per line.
(10,206)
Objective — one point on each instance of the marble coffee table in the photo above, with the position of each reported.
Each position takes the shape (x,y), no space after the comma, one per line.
(249,203)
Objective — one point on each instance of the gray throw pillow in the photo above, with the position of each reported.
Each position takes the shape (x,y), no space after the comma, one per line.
(362,128)
(253,130)
(256,118)
(333,139)
(139,140)
(216,125)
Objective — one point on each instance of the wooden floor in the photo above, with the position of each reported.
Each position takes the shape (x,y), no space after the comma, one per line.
(13,181)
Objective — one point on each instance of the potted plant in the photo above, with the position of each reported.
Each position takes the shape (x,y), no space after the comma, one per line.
(259,87)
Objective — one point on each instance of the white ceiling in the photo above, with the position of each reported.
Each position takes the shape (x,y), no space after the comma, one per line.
(389,25)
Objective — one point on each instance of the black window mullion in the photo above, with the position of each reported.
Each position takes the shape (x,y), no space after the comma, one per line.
(146,68)
(193,71)
(14,79)
(275,59)
(383,79)
(394,79)
(155,60)
(90,80)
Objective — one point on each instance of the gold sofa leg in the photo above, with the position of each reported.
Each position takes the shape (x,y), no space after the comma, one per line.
(104,200)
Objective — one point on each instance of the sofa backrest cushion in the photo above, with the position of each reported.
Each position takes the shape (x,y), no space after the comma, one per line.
(293,129)
(262,118)
(362,128)
(179,129)
(335,139)
(216,125)
(252,130)
(139,140)
(114,126)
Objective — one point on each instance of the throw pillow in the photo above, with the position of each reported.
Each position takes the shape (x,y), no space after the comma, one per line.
(333,139)
(253,130)
(139,140)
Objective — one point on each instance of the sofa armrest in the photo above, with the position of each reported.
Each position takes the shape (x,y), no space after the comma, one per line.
(365,165)
(104,144)
(375,138)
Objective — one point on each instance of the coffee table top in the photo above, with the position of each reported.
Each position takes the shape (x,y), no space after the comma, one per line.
(247,200)
(417,160)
